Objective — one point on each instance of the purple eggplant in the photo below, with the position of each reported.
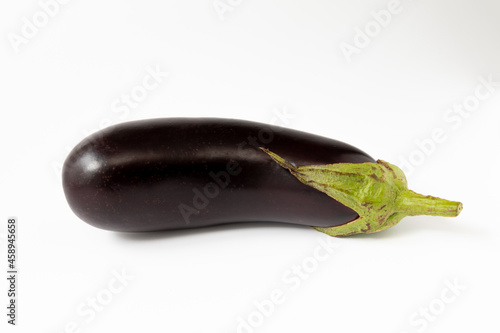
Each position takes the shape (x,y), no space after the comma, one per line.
(179,173)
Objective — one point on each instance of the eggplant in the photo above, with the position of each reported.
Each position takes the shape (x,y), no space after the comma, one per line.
(180,173)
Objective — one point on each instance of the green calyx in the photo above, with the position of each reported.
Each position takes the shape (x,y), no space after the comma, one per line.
(378,192)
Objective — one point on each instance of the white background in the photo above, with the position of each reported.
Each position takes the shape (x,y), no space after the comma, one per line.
(259,59)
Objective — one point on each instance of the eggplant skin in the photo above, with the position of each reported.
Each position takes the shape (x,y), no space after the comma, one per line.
(179,173)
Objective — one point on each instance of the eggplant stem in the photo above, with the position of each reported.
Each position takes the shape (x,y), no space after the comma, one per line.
(378,192)
(411,204)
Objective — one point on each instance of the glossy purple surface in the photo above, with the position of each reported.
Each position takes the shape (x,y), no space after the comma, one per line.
(148,175)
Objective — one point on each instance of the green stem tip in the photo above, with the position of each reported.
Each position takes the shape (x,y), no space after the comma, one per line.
(378,192)
(412,203)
